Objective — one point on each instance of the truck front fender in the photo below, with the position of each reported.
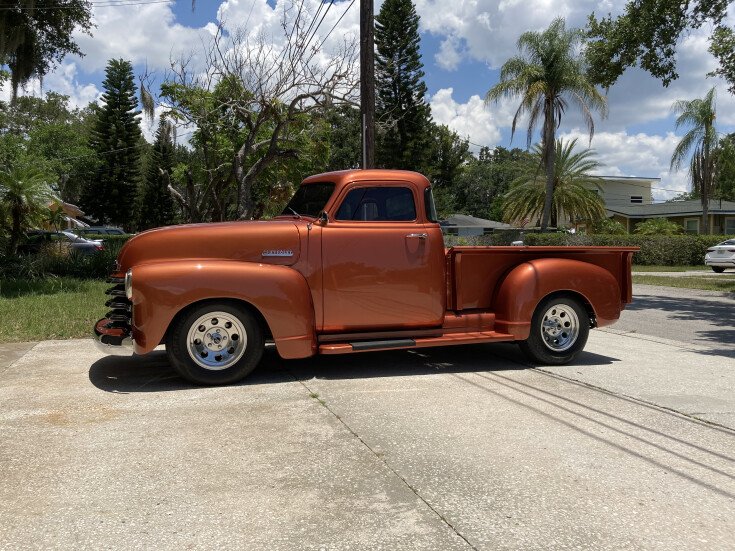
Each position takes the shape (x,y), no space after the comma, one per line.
(528,283)
(279,293)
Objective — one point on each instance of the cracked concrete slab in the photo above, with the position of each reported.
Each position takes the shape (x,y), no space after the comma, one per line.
(452,448)
(120,453)
(11,352)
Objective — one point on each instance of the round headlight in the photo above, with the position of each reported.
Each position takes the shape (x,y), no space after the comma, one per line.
(129,284)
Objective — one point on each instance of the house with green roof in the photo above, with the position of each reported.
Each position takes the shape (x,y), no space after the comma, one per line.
(629,200)
(687,214)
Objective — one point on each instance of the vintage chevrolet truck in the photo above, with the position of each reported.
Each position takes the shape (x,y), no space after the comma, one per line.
(355,263)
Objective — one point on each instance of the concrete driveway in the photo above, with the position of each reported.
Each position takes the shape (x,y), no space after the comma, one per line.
(454,448)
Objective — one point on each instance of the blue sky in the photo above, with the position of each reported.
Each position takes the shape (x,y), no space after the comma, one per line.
(463,45)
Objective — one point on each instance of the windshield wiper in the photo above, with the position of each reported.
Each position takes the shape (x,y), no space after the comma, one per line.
(295,213)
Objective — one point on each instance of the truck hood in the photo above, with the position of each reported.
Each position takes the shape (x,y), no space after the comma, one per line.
(268,242)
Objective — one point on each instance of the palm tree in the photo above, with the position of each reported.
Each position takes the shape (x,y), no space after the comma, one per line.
(572,171)
(701,140)
(25,194)
(548,75)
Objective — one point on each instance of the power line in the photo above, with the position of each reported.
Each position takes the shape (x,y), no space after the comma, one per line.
(306,44)
(335,25)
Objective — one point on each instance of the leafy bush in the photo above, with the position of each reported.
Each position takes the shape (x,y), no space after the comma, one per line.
(608,226)
(53,262)
(662,250)
(497,238)
(656,250)
(658,226)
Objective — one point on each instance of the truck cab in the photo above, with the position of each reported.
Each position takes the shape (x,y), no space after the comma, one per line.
(356,262)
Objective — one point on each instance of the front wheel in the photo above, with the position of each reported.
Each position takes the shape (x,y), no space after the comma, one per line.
(559,330)
(215,344)
(718,269)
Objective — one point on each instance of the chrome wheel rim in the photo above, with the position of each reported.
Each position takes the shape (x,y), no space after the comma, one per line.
(217,340)
(559,328)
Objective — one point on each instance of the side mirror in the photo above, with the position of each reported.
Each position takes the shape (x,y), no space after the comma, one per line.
(323,218)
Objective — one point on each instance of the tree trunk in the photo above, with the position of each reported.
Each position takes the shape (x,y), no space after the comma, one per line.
(547,146)
(705,212)
(15,230)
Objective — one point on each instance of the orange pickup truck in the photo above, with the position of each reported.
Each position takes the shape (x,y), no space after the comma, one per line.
(355,263)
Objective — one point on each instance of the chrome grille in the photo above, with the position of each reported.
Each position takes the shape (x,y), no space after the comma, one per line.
(121,309)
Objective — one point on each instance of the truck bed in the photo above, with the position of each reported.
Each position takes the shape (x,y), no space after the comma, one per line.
(473,273)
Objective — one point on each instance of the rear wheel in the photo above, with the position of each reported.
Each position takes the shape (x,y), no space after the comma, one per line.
(559,330)
(718,269)
(215,344)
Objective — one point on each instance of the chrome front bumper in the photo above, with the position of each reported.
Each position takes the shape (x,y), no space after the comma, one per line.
(112,341)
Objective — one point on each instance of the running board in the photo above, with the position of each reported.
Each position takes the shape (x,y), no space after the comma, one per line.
(382,345)
(419,342)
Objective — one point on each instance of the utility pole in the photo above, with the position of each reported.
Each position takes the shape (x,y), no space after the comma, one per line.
(367,83)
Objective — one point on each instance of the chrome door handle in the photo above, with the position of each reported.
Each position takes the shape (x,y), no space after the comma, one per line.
(418,235)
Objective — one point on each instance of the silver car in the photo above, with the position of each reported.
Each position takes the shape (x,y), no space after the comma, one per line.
(38,239)
(721,256)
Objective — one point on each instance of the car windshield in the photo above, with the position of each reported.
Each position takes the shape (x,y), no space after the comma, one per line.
(728,242)
(309,199)
(70,236)
(73,237)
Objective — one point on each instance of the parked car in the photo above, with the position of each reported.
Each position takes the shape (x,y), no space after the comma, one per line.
(98,230)
(721,256)
(38,239)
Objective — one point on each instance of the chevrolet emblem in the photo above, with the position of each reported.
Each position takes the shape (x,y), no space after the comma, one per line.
(277,252)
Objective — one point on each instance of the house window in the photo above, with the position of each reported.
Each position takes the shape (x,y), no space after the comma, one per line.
(729,226)
(638,199)
(691,225)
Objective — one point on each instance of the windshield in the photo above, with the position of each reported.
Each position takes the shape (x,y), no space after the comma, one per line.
(728,242)
(309,199)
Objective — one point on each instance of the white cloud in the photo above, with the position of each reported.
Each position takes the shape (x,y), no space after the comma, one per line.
(149,34)
(64,80)
(644,155)
(143,34)
(489,31)
(472,119)
(449,55)
(491,27)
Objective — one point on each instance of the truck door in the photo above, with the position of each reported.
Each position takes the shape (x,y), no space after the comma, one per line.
(381,269)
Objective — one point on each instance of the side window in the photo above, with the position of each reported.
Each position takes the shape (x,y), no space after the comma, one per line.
(430,206)
(384,204)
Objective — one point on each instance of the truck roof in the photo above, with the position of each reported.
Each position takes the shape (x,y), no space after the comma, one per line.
(343,177)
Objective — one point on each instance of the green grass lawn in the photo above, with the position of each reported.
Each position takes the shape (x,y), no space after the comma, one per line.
(54,308)
(722,283)
(669,268)
(66,308)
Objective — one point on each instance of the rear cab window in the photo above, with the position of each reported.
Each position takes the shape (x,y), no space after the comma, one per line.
(378,204)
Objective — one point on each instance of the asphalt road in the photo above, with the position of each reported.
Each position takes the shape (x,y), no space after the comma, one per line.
(455,448)
(705,318)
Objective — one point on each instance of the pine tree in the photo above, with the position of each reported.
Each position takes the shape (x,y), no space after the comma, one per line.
(155,204)
(110,195)
(400,103)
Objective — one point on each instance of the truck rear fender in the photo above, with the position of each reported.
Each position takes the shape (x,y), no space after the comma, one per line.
(278,293)
(530,282)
